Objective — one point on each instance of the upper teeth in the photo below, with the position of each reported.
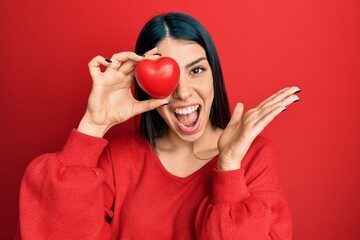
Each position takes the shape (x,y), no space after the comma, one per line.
(186,110)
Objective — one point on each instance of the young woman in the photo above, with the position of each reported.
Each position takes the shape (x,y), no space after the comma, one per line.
(191,172)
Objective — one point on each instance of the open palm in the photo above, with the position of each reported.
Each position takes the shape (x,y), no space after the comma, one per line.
(243,129)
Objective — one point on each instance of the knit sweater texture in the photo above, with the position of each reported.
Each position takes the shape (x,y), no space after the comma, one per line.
(118,189)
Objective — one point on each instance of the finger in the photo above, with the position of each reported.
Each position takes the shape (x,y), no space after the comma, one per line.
(147,105)
(151,52)
(267,118)
(95,63)
(152,57)
(280,95)
(124,56)
(272,97)
(127,67)
(237,114)
(118,58)
(282,102)
(284,95)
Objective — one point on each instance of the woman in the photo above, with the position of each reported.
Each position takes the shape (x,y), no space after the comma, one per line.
(192,172)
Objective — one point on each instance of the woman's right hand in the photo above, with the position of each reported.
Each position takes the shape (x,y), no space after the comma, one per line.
(111,100)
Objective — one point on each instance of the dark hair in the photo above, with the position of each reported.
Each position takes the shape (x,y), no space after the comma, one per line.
(183,27)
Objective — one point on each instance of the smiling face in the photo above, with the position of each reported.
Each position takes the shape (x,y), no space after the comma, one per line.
(188,113)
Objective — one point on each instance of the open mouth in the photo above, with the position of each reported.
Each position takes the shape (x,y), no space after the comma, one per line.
(188,117)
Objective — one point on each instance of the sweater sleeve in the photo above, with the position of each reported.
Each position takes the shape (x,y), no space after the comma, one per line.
(246,204)
(66,195)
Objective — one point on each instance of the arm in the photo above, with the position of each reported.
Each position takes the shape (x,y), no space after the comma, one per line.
(69,194)
(246,203)
(65,195)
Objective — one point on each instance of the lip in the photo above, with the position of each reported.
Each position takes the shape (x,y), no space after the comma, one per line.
(184,129)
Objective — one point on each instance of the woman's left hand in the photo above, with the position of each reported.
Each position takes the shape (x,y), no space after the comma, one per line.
(241,131)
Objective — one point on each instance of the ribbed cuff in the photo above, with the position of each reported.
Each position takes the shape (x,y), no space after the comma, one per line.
(228,186)
(82,150)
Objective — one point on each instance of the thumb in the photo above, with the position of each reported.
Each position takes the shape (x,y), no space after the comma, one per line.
(237,114)
(147,105)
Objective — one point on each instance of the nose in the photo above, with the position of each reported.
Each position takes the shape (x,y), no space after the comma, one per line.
(183,90)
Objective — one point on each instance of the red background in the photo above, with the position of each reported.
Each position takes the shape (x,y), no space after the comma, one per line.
(264,46)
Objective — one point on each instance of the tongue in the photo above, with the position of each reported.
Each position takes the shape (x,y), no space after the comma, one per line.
(188,119)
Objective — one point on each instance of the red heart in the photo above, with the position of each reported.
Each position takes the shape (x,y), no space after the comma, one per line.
(158,78)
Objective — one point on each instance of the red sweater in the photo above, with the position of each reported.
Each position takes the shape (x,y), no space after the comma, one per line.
(93,189)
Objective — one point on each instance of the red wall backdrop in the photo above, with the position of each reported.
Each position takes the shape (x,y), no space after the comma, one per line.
(264,46)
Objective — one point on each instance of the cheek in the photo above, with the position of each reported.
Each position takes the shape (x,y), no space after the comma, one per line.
(208,89)
(208,93)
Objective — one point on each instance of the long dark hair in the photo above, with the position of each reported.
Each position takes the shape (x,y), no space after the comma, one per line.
(183,27)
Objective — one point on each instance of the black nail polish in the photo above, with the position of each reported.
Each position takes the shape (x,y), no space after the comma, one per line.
(297,91)
(284,110)
(296,100)
(159,54)
(141,55)
(108,60)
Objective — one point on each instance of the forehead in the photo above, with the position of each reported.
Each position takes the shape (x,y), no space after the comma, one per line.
(183,51)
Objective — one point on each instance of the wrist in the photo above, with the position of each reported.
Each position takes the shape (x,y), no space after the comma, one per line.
(228,166)
(92,129)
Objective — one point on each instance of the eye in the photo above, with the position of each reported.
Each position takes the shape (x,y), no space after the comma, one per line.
(197,70)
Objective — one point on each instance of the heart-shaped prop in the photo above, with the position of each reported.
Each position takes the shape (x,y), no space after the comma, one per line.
(158,78)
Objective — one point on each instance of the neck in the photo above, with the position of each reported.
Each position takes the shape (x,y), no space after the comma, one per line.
(206,143)
(182,158)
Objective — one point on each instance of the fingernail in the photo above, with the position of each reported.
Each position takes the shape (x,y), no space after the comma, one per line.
(297,91)
(284,110)
(108,60)
(141,55)
(166,103)
(159,54)
(296,100)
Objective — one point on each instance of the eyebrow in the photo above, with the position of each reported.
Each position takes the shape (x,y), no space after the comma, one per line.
(195,62)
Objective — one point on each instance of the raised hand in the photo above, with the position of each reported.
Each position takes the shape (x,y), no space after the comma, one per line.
(111,100)
(243,129)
